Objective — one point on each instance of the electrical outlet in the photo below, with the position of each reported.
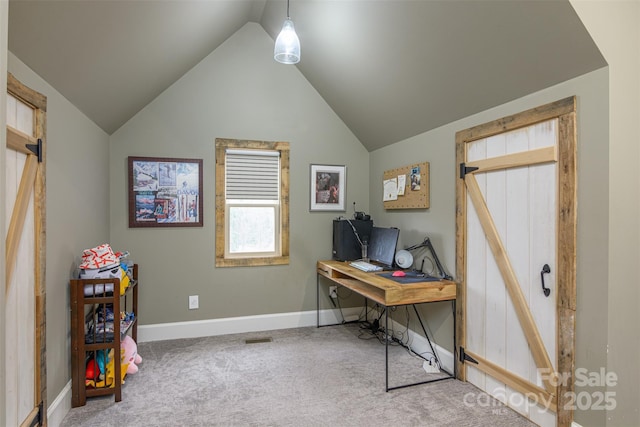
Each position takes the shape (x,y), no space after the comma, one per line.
(351,318)
(193,302)
(430,367)
(333,291)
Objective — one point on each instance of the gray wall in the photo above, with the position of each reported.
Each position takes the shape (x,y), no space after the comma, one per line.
(238,91)
(4,16)
(615,27)
(77,214)
(438,222)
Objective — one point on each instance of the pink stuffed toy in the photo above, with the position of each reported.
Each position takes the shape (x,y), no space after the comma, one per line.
(130,354)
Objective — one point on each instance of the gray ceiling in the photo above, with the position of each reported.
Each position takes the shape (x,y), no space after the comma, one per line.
(391,69)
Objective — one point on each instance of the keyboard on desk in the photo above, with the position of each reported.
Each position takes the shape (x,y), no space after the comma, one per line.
(365,266)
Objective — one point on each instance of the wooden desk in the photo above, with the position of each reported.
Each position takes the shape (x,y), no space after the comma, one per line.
(388,293)
(385,291)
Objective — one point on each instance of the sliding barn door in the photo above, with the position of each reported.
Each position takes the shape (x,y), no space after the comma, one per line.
(516,259)
(25,292)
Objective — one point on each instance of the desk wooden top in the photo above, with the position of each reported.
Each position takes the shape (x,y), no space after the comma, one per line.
(383,290)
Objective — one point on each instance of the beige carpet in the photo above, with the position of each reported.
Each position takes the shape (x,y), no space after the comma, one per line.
(331,376)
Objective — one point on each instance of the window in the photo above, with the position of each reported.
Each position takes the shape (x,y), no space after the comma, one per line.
(252,203)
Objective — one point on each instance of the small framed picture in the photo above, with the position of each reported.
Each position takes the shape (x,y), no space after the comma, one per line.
(328,188)
(415,178)
(165,192)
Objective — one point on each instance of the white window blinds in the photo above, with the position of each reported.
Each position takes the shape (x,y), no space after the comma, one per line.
(252,175)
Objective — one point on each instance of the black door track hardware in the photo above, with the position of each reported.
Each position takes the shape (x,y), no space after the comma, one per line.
(464,357)
(36,149)
(464,169)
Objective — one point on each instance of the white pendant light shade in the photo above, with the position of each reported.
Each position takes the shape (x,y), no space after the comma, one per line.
(287,48)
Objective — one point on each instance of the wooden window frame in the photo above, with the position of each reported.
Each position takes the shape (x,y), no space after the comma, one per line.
(222,145)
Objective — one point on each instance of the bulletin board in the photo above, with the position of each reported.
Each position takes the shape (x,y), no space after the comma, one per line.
(411,185)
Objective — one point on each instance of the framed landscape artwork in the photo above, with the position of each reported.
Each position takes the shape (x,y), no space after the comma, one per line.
(165,192)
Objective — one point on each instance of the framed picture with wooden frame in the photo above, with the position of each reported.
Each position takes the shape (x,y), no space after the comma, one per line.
(165,192)
(328,188)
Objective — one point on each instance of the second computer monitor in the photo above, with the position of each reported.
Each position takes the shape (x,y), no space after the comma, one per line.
(382,245)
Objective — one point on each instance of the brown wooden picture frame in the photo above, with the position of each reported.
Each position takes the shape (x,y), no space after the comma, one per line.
(165,192)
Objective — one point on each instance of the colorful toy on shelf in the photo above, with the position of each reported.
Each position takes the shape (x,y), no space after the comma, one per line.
(130,356)
(96,366)
(124,281)
(99,257)
(125,320)
(102,263)
(92,372)
(107,379)
(102,360)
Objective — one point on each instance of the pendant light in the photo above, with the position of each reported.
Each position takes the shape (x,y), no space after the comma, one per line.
(287,48)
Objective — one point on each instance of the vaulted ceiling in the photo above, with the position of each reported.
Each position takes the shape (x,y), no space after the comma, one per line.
(391,69)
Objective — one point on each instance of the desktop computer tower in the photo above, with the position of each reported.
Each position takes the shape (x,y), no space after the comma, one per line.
(346,246)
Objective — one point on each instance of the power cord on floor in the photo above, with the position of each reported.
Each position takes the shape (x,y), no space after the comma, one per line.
(402,338)
(336,303)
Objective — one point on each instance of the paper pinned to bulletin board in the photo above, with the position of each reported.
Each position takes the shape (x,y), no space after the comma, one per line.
(406,187)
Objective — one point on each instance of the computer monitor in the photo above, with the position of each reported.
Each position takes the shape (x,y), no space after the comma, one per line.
(382,245)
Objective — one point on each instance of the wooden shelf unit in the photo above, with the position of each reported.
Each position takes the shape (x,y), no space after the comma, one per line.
(85,309)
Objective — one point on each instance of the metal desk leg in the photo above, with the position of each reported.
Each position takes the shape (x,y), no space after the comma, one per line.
(366,309)
(317,300)
(450,376)
(455,360)
(433,351)
(386,349)
(318,305)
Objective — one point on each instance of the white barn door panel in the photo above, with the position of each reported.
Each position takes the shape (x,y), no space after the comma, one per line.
(24,316)
(524,218)
(508,221)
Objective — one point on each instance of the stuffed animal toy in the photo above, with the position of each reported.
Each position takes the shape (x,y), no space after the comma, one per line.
(96,367)
(130,356)
(92,372)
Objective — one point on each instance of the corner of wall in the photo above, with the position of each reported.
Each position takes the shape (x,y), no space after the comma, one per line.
(4,18)
(614,27)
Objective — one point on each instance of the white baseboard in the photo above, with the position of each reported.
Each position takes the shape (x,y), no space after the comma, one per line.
(59,408)
(237,325)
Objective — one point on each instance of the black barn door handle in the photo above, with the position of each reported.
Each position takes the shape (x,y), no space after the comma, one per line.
(545,269)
